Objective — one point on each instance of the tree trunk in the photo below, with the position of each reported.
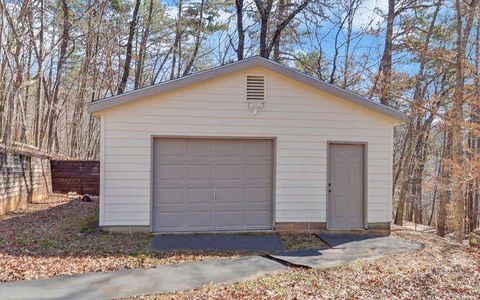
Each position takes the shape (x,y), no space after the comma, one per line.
(280,16)
(444,195)
(404,178)
(240,31)
(457,117)
(198,39)
(176,42)
(39,94)
(143,46)
(264,11)
(128,54)
(53,112)
(383,81)
(411,131)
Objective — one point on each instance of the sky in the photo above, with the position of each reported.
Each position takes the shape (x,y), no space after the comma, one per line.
(370,12)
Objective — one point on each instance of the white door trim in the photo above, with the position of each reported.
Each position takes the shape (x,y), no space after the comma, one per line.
(365,184)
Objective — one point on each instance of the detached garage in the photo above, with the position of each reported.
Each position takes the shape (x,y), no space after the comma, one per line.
(249,146)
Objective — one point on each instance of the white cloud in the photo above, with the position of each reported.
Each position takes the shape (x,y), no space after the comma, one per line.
(370,12)
(171,11)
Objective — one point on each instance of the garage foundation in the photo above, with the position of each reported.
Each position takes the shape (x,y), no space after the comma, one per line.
(381,228)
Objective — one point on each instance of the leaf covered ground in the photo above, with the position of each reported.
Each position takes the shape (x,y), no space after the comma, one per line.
(60,237)
(442,270)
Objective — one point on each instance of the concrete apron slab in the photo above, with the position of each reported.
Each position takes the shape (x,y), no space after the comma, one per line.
(128,283)
(324,259)
(218,242)
(367,241)
(348,252)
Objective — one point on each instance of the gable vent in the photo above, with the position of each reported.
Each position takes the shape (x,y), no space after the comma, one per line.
(256,88)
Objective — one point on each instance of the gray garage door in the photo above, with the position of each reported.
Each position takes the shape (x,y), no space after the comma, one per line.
(212,185)
(346,185)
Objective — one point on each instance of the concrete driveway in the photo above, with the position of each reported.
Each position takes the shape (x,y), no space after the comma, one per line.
(164,279)
(346,249)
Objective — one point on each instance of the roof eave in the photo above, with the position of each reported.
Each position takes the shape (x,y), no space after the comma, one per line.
(95,107)
(169,85)
(397,115)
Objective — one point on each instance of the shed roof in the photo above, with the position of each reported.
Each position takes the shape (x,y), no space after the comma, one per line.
(256,61)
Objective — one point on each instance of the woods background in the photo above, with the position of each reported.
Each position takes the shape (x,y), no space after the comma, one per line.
(421,57)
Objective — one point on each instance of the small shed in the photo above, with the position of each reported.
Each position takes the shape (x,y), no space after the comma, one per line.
(248,146)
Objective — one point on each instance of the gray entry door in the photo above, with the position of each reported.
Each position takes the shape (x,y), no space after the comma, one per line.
(346,184)
(212,185)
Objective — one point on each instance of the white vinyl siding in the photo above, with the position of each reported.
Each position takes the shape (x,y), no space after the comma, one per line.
(301,118)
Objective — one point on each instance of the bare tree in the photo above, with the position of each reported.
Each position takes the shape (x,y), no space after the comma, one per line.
(463,35)
(143,45)
(198,39)
(265,10)
(240,30)
(416,112)
(385,69)
(129,46)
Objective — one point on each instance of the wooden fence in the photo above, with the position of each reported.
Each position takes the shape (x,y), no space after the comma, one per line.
(81,176)
(24,178)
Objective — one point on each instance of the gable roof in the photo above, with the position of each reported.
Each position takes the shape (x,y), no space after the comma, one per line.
(239,66)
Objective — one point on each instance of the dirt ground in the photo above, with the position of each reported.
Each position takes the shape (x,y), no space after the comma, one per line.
(60,237)
(442,270)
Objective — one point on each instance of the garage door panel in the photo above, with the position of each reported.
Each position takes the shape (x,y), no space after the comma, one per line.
(229,160)
(170,220)
(198,195)
(229,206)
(197,184)
(200,219)
(212,185)
(229,172)
(199,171)
(258,183)
(172,171)
(257,218)
(229,218)
(170,147)
(258,171)
(257,194)
(167,208)
(231,149)
(258,206)
(169,195)
(258,148)
(229,194)
(197,207)
(198,147)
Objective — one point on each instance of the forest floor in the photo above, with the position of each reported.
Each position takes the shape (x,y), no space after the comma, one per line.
(61,237)
(442,270)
